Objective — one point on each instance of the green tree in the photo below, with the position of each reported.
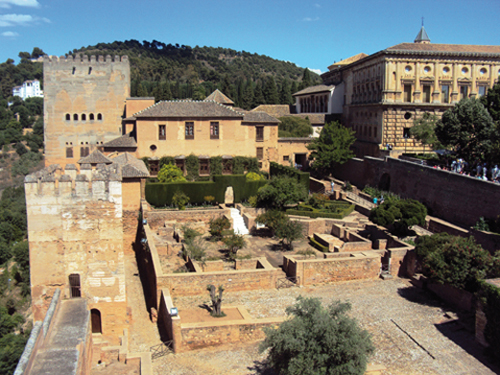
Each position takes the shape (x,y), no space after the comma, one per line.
(316,341)
(272,219)
(403,213)
(270,91)
(306,79)
(291,126)
(468,129)
(218,226)
(281,191)
(491,101)
(457,261)
(258,96)
(286,93)
(170,173)
(180,200)
(36,53)
(332,146)
(424,131)
(289,231)
(247,99)
(234,242)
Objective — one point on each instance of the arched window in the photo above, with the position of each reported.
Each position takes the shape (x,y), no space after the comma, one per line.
(91,117)
(75,117)
(96,321)
(68,117)
(99,116)
(84,117)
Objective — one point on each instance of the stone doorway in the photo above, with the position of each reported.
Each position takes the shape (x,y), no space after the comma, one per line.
(96,321)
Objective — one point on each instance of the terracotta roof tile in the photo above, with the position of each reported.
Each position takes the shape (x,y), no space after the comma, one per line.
(314,89)
(456,48)
(188,108)
(275,110)
(95,157)
(316,119)
(131,166)
(219,97)
(259,117)
(123,141)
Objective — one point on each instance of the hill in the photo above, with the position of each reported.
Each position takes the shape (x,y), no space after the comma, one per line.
(168,71)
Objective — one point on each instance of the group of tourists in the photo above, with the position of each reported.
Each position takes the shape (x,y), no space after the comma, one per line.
(478,170)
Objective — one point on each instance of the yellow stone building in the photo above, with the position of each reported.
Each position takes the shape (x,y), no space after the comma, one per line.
(386,91)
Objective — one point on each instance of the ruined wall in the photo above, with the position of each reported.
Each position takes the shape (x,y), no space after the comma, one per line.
(446,194)
(75,227)
(83,104)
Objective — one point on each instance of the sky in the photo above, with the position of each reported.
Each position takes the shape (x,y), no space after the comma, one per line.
(312,34)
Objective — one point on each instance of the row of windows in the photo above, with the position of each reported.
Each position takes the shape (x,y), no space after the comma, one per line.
(445,93)
(314,104)
(83,117)
(227,166)
(214,131)
(84,151)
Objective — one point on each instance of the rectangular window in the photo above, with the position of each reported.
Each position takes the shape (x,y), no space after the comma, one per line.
(69,152)
(427,94)
(286,158)
(162,134)
(260,153)
(189,130)
(214,130)
(259,133)
(74,285)
(84,151)
(406,133)
(445,94)
(204,167)
(464,92)
(481,91)
(407,93)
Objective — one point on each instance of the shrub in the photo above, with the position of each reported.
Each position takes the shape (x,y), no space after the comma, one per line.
(189,234)
(271,219)
(318,200)
(456,261)
(215,165)
(289,231)
(234,242)
(165,160)
(195,249)
(315,340)
(170,173)
(281,191)
(209,198)
(252,176)
(192,167)
(402,213)
(180,200)
(253,201)
(217,226)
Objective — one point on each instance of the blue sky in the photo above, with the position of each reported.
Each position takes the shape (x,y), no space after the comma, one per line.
(310,34)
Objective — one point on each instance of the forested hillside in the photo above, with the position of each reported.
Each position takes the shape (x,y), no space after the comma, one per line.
(178,72)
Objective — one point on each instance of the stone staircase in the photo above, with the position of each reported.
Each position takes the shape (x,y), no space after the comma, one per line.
(239,226)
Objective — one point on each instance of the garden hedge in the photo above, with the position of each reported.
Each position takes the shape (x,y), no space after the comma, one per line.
(279,170)
(342,210)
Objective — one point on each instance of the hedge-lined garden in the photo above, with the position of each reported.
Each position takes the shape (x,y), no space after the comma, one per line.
(331,210)
(280,170)
(160,194)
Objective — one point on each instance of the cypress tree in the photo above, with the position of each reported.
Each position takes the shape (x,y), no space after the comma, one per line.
(258,96)
(271,92)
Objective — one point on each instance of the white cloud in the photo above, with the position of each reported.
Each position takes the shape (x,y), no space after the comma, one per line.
(8,20)
(10,34)
(317,71)
(309,19)
(22,3)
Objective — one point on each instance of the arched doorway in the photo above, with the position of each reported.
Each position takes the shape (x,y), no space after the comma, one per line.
(95,316)
(385,182)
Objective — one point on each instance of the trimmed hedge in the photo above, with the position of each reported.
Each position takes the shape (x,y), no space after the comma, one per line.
(278,170)
(342,210)
(318,246)
(160,195)
(490,297)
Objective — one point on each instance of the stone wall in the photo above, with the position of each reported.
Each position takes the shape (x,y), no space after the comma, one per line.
(323,271)
(445,194)
(75,227)
(157,218)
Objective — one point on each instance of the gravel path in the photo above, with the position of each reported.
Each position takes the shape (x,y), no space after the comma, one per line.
(412,332)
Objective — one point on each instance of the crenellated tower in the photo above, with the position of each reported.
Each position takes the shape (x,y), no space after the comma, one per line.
(84,104)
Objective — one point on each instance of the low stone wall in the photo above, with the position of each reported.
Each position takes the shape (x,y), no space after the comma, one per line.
(457,297)
(401,262)
(157,218)
(322,271)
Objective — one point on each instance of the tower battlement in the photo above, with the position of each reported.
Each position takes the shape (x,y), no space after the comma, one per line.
(84,60)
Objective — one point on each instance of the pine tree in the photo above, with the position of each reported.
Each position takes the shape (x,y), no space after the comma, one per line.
(285,94)
(295,88)
(271,92)
(247,98)
(141,90)
(306,79)
(258,96)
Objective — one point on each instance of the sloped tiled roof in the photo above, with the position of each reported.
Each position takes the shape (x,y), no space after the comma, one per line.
(314,89)
(188,108)
(123,141)
(131,166)
(275,110)
(422,36)
(95,157)
(219,97)
(316,119)
(443,48)
(348,61)
(259,117)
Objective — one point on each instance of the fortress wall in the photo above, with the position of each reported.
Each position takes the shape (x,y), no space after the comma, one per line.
(450,196)
(75,227)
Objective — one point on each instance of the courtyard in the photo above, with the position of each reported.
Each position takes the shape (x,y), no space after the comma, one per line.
(413,332)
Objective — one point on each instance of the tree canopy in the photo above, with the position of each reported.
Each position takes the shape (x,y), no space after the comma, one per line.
(291,126)
(403,213)
(317,341)
(332,146)
(424,130)
(281,191)
(468,129)
(170,173)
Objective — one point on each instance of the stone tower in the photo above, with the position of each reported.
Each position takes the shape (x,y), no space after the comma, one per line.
(83,104)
